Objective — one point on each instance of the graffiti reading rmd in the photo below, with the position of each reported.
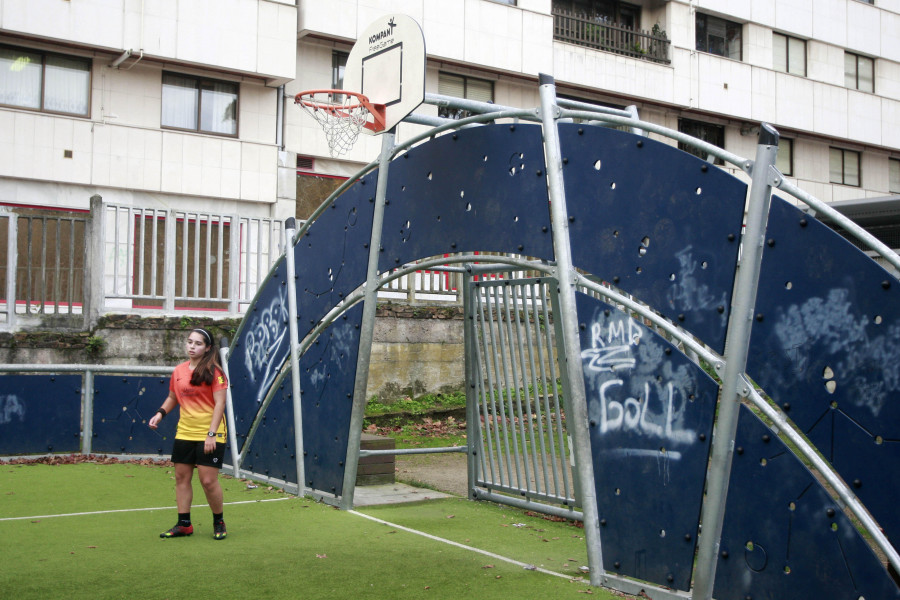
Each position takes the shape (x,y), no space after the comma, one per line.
(266,334)
(649,397)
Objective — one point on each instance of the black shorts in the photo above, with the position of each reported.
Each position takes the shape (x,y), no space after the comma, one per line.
(191,453)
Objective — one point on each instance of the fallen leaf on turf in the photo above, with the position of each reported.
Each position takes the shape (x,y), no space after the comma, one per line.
(498,577)
(450,516)
(530,568)
(488,567)
(427,587)
(36,521)
(321,556)
(92,546)
(585,591)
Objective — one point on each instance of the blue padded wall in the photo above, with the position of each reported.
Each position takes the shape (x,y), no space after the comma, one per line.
(328,371)
(826,348)
(491,196)
(122,407)
(783,536)
(651,415)
(656,222)
(40,414)
(330,262)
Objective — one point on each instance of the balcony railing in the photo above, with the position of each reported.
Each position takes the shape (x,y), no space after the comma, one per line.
(596,32)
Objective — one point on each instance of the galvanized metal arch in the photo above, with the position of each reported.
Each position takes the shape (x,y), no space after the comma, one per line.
(425,200)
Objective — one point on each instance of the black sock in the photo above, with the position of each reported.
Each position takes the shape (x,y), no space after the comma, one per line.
(184,519)
(217,517)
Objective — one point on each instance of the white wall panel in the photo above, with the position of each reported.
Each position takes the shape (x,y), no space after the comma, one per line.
(863,117)
(830,110)
(830,22)
(863,28)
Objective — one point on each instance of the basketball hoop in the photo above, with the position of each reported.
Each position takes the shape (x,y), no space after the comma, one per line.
(342,115)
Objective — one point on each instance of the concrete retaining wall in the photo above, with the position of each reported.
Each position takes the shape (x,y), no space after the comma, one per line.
(416,349)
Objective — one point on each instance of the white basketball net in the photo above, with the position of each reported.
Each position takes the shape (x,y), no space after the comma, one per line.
(341,118)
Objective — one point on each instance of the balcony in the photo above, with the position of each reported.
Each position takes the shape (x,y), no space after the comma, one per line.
(602,34)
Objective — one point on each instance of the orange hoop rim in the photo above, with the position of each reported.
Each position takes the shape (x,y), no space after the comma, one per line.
(306,99)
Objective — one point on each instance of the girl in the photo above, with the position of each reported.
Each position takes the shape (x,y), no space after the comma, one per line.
(198,386)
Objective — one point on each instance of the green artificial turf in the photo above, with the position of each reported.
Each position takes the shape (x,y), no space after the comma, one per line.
(276,546)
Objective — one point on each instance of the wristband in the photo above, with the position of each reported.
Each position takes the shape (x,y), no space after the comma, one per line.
(162,411)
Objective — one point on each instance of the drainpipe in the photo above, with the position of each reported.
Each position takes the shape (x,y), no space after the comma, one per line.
(279,119)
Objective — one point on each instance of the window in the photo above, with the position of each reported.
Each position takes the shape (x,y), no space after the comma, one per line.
(718,36)
(894,175)
(612,11)
(463,87)
(784,162)
(338,64)
(197,104)
(45,82)
(714,134)
(843,167)
(789,54)
(859,72)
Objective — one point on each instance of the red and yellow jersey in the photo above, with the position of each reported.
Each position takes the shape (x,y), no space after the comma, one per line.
(197,404)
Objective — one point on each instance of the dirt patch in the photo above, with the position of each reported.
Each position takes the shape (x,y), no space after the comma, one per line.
(442,472)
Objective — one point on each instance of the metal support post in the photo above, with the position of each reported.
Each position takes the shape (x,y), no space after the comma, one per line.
(570,356)
(169,267)
(236,266)
(94,264)
(229,410)
(289,230)
(87,424)
(734,385)
(473,433)
(367,327)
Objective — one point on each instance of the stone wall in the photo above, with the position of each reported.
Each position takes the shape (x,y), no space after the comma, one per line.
(416,349)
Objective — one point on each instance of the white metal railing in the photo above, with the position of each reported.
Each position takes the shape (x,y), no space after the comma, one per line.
(44,267)
(184,260)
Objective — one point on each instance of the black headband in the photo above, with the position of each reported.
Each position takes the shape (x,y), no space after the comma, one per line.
(209,340)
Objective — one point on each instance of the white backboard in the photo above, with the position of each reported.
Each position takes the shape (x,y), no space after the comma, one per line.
(387,64)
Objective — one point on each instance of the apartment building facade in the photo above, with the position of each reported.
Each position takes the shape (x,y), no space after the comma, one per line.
(164,105)
(826,74)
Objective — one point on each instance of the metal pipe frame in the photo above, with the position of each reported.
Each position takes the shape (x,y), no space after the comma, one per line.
(734,385)
(688,342)
(401,451)
(299,453)
(569,344)
(229,410)
(367,327)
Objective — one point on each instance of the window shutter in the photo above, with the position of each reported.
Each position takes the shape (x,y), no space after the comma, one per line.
(451,85)
(480,90)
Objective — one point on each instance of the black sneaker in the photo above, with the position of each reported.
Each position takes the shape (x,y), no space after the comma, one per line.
(178,531)
(219,532)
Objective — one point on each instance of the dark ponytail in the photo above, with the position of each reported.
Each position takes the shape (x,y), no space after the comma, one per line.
(205,371)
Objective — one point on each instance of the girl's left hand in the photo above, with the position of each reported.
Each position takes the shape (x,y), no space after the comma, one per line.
(209,445)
